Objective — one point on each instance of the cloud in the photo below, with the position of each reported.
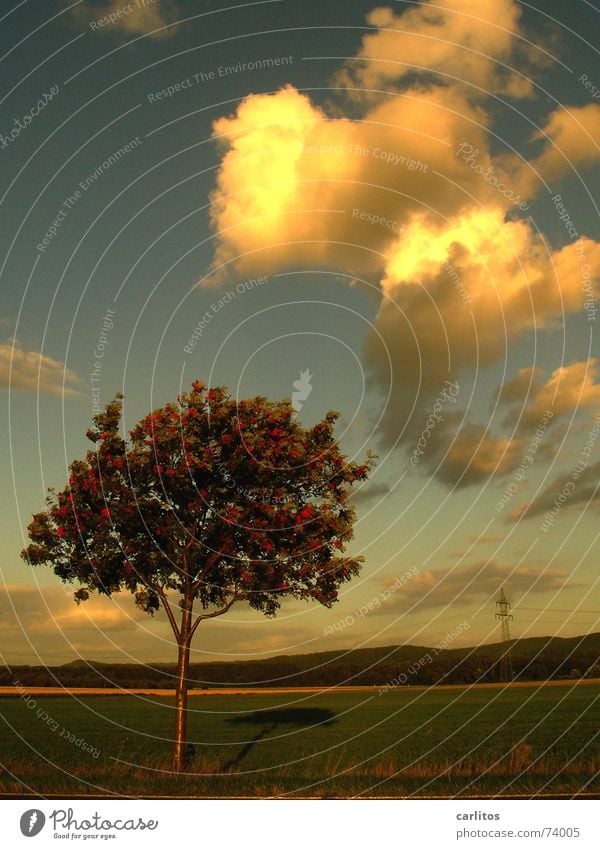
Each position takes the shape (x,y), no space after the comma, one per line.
(424,325)
(367,494)
(106,615)
(387,195)
(21,369)
(512,283)
(53,610)
(43,624)
(448,37)
(298,187)
(133,18)
(566,490)
(475,582)
(466,454)
(570,137)
(569,388)
(472,456)
(486,538)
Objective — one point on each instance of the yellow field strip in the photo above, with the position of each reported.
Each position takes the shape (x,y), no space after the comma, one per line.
(273,691)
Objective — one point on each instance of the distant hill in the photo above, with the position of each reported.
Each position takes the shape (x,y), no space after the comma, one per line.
(535,659)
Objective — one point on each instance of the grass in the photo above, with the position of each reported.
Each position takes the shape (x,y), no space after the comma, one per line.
(406,742)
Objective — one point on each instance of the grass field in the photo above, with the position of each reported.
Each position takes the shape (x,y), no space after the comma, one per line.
(465,742)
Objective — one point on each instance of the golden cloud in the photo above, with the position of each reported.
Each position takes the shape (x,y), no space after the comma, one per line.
(297,187)
(52,609)
(451,38)
(573,134)
(458,294)
(569,388)
(570,143)
(21,369)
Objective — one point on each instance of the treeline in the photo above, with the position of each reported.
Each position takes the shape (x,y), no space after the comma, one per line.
(535,659)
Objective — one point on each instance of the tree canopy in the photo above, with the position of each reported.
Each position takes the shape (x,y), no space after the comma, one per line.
(227,499)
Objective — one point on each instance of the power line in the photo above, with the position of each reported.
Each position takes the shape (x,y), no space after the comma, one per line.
(555,610)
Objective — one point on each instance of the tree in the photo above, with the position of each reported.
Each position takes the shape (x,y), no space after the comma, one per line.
(210,499)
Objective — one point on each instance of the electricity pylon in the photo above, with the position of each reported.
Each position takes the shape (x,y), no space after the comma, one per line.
(502,613)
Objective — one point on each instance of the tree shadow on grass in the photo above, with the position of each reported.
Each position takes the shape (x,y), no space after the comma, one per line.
(268,721)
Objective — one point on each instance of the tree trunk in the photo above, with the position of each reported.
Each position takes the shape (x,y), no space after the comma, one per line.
(181,694)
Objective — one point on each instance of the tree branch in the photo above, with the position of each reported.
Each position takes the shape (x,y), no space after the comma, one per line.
(186,549)
(212,615)
(168,610)
(211,561)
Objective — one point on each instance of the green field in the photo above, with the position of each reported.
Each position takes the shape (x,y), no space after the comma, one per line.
(528,739)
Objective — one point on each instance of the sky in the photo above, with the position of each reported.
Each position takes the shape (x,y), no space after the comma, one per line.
(400,199)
